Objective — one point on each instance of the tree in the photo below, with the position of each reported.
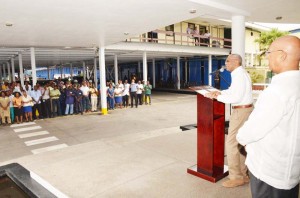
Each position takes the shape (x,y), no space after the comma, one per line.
(267,37)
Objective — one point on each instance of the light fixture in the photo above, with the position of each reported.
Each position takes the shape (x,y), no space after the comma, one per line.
(67,47)
(126,33)
(193,11)
(278,18)
(8,24)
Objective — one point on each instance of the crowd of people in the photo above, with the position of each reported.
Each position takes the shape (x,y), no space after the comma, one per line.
(57,98)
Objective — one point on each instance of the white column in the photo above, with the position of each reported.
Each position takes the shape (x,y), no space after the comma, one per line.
(4,73)
(145,67)
(71,71)
(238,36)
(84,70)
(178,72)
(153,72)
(13,71)
(8,72)
(209,70)
(48,72)
(95,72)
(102,81)
(116,69)
(21,74)
(1,74)
(33,66)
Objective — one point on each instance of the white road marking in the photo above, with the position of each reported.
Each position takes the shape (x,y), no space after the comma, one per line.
(41,141)
(49,148)
(27,135)
(27,129)
(23,124)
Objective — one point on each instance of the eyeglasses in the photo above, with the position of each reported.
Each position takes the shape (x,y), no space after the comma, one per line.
(269,52)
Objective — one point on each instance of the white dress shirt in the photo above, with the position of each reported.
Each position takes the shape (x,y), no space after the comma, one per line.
(272,133)
(126,89)
(240,90)
(36,96)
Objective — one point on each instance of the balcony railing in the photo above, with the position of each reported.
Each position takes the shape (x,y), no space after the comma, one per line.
(178,38)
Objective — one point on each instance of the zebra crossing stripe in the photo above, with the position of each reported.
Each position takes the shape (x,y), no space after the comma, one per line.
(41,141)
(27,135)
(27,129)
(23,124)
(49,148)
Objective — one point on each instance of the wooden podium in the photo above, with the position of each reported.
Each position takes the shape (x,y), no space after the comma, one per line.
(210,137)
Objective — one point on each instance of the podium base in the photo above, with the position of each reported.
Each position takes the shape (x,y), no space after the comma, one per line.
(219,173)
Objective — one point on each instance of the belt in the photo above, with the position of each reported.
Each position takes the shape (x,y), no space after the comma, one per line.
(242,106)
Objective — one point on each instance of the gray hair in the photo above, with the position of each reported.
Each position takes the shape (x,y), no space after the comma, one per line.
(238,57)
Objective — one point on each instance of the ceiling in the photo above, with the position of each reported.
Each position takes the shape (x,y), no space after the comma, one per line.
(53,26)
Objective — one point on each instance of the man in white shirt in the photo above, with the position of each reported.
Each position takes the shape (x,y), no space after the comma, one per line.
(125,93)
(36,96)
(272,132)
(85,97)
(46,104)
(140,89)
(239,95)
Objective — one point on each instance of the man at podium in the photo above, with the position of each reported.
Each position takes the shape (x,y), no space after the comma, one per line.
(239,94)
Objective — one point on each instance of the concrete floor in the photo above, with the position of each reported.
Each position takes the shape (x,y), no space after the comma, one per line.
(134,152)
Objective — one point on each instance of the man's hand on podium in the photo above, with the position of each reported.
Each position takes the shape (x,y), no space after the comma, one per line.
(213,94)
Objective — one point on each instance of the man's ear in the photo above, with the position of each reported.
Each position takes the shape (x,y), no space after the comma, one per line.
(282,56)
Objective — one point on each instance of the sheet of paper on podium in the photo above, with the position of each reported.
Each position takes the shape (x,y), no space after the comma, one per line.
(204,89)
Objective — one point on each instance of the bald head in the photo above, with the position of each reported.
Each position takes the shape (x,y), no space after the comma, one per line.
(233,61)
(284,54)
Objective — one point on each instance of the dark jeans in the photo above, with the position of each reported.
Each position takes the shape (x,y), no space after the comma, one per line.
(39,108)
(78,107)
(133,95)
(46,108)
(86,103)
(56,111)
(260,189)
(125,100)
(139,96)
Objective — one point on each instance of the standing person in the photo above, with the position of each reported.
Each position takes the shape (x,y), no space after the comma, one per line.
(206,39)
(118,95)
(148,88)
(17,100)
(78,100)
(140,89)
(54,95)
(69,100)
(133,90)
(110,96)
(125,93)
(196,36)
(272,133)
(11,106)
(239,95)
(94,97)
(36,96)
(27,105)
(46,104)
(85,99)
(4,108)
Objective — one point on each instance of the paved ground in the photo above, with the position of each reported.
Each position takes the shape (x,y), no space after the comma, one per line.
(134,152)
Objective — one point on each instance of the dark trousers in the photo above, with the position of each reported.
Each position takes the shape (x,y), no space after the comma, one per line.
(125,100)
(78,107)
(46,108)
(39,108)
(260,189)
(139,96)
(133,95)
(56,111)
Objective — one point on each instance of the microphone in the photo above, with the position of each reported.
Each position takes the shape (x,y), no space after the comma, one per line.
(222,69)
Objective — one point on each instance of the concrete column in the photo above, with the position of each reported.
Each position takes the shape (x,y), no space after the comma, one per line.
(209,70)
(1,76)
(13,71)
(178,72)
(95,72)
(116,69)
(8,72)
(33,66)
(84,70)
(4,73)
(238,36)
(71,71)
(102,81)
(21,69)
(48,72)
(153,72)
(145,67)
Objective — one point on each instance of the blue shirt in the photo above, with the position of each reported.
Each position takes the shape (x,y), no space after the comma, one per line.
(133,87)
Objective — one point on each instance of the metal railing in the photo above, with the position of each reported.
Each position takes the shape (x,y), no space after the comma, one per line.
(178,38)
